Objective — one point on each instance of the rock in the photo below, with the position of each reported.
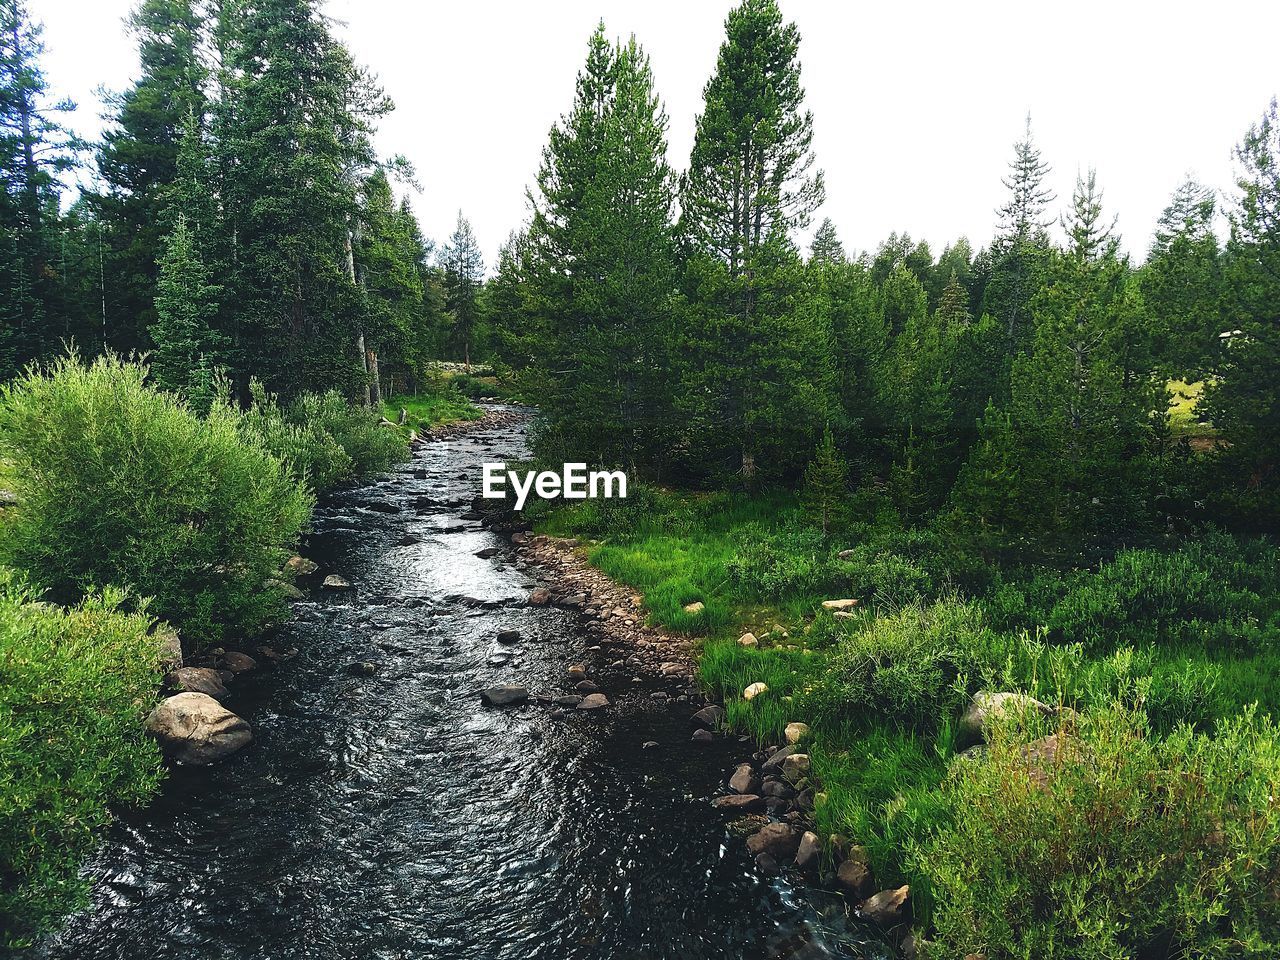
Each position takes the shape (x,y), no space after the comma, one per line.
(507,695)
(301,567)
(586,686)
(987,707)
(569,701)
(695,608)
(711,717)
(577,672)
(795,766)
(888,907)
(1042,755)
(508,636)
(839,604)
(362,668)
(238,662)
(754,690)
(746,826)
(702,736)
(170,646)
(845,554)
(739,803)
(774,763)
(335,582)
(914,941)
(744,780)
(854,878)
(519,538)
(540,597)
(779,840)
(488,552)
(594,701)
(288,589)
(197,680)
(776,788)
(767,865)
(748,640)
(194,728)
(809,853)
(649,745)
(795,732)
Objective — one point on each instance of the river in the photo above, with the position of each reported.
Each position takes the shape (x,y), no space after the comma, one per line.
(391,816)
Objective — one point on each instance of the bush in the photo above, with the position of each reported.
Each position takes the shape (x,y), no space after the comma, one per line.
(1126,846)
(913,666)
(119,484)
(793,561)
(74,685)
(324,439)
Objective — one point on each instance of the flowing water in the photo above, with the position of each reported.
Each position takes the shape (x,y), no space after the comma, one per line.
(392,816)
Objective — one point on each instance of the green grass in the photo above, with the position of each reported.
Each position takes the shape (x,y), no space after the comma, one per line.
(429,410)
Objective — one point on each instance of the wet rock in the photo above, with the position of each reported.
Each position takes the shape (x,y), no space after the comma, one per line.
(238,662)
(846,604)
(779,840)
(795,732)
(854,878)
(739,803)
(508,636)
(362,668)
(702,736)
(776,788)
(888,907)
(774,763)
(568,701)
(197,680)
(710,717)
(381,506)
(586,686)
(335,582)
(649,745)
(194,728)
(809,853)
(744,780)
(754,690)
(767,865)
(540,597)
(487,553)
(746,826)
(594,701)
(577,673)
(507,695)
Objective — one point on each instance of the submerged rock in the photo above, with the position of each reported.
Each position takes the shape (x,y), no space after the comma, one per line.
(194,728)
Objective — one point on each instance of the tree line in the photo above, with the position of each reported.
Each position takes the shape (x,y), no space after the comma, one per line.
(237,219)
(1015,394)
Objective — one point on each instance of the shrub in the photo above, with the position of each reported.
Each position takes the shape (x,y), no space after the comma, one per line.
(74,685)
(911,666)
(119,484)
(324,439)
(1124,845)
(793,561)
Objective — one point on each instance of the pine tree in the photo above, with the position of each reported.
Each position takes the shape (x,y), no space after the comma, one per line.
(463,268)
(138,160)
(187,347)
(826,246)
(824,488)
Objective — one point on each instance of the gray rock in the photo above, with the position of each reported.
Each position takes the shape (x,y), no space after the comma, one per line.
(702,736)
(362,668)
(336,583)
(809,853)
(987,707)
(508,636)
(744,780)
(238,662)
(739,803)
(586,686)
(194,728)
(506,695)
(888,907)
(710,717)
(774,763)
(779,840)
(197,680)
(594,701)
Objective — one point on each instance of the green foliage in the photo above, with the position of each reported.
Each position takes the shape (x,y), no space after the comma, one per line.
(119,484)
(1119,845)
(324,439)
(825,485)
(74,685)
(186,302)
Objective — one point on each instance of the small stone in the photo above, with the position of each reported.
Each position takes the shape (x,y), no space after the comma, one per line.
(702,736)
(754,690)
(335,582)
(744,780)
(748,640)
(238,662)
(594,701)
(809,853)
(577,673)
(695,608)
(586,686)
(854,878)
(795,732)
(839,604)
(540,597)
(506,695)
(508,636)
(888,907)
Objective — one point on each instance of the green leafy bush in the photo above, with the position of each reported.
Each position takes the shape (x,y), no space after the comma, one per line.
(1116,844)
(119,484)
(74,685)
(912,666)
(791,561)
(327,441)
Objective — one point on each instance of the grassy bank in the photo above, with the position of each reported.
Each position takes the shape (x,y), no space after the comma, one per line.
(427,410)
(1159,655)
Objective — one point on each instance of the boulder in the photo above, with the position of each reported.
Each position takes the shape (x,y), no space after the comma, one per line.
(702,736)
(695,608)
(335,582)
(796,766)
(888,907)
(834,605)
(594,701)
(711,717)
(795,732)
(809,853)
(754,690)
(194,728)
(739,803)
(987,707)
(197,680)
(238,662)
(774,763)
(779,840)
(854,878)
(507,695)
(744,780)
(748,640)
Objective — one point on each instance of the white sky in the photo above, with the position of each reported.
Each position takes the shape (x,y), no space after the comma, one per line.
(916,104)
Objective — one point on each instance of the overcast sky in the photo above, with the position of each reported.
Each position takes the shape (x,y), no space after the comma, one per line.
(915,104)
